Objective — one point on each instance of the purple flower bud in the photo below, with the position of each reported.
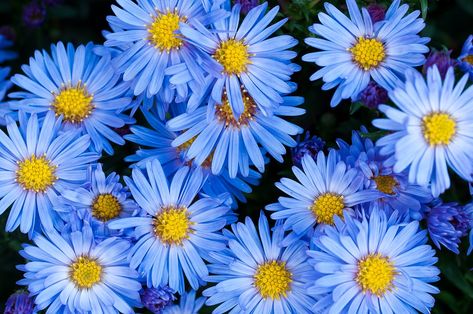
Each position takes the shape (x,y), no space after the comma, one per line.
(246,5)
(373,95)
(34,14)
(52,3)
(156,299)
(441,59)
(310,145)
(19,303)
(377,12)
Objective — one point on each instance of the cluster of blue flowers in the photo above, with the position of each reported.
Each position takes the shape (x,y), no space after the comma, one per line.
(213,83)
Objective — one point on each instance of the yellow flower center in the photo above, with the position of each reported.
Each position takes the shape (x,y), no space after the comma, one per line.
(326,206)
(468,59)
(233,56)
(385,184)
(172,225)
(85,272)
(163,31)
(106,207)
(185,146)
(224,111)
(368,53)
(439,128)
(273,280)
(375,274)
(36,174)
(73,103)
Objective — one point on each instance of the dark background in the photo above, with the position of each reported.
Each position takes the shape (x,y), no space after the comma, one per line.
(449,22)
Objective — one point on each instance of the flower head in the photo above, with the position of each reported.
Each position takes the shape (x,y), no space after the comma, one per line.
(465,60)
(373,95)
(441,59)
(255,274)
(20,302)
(381,266)
(354,50)
(308,146)
(157,299)
(430,129)
(377,12)
(246,5)
(34,14)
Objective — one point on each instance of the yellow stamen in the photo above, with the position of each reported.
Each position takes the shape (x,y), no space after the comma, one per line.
(172,225)
(326,206)
(375,274)
(233,56)
(439,128)
(385,184)
(163,31)
(74,103)
(106,207)
(36,174)
(368,53)
(85,272)
(469,59)
(224,111)
(273,280)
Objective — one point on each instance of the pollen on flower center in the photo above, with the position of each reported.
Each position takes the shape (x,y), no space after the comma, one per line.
(439,128)
(273,280)
(326,206)
(385,184)
(469,59)
(368,53)
(106,207)
(225,114)
(375,274)
(233,56)
(186,145)
(172,225)
(74,103)
(36,174)
(163,31)
(85,272)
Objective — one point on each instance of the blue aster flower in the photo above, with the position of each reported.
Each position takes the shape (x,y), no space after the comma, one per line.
(150,34)
(155,143)
(157,299)
(244,55)
(236,144)
(257,275)
(448,223)
(78,85)
(353,50)
(188,304)
(5,54)
(5,85)
(173,232)
(397,194)
(37,163)
(308,146)
(465,60)
(325,189)
(430,129)
(20,302)
(100,199)
(375,265)
(469,210)
(74,274)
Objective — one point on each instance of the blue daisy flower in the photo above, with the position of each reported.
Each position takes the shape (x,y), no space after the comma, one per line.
(37,163)
(188,304)
(20,302)
(397,194)
(157,299)
(101,199)
(465,60)
(244,55)
(469,210)
(326,189)
(5,85)
(430,129)
(5,54)
(155,143)
(257,275)
(375,265)
(75,274)
(353,50)
(236,144)
(149,32)
(174,232)
(78,85)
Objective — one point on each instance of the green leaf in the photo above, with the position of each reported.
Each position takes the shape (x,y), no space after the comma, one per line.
(424,6)
(355,106)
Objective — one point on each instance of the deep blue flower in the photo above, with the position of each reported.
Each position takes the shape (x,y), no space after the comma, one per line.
(465,60)
(188,304)
(148,33)
(377,12)
(246,5)
(375,265)
(441,59)
(100,199)
(6,54)
(448,223)
(354,50)
(255,274)
(468,209)
(430,129)
(79,85)
(174,232)
(235,144)
(326,189)
(397,194)
(243,55)
(157,299)
(74,274)
(20,302)
(373,95)
(34,14)
(37,163)
(308,146)
(155,143)
(5,85)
